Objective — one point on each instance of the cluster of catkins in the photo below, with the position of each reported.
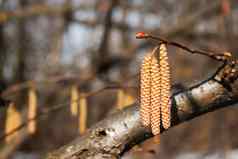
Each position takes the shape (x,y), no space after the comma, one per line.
(155,90)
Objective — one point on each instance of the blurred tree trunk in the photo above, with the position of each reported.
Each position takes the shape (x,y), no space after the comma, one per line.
(2,51)
(2,47)
(103,54)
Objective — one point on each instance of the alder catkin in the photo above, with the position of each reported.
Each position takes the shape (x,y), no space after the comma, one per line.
(83,111)
(12,122)
(165,86)
(74,100)
(155,90)
(155,93)
(120,98)
(145,90)
(32,110)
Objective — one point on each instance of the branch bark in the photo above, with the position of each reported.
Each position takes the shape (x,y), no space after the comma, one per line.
(117,133)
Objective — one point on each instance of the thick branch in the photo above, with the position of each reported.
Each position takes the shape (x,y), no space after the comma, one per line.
(116,134)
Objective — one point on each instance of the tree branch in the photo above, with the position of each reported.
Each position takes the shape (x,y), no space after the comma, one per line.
(117,133)
(215,56)
(35,10)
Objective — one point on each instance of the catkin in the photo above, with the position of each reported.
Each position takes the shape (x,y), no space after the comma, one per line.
(155,90)
(120,98)
(145,91)
(13,121)
(74,100)
(165,86)
(124,98)
(32,110)
(155,94)
(83,109)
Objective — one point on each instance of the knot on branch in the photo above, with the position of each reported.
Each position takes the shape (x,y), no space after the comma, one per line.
(227,74)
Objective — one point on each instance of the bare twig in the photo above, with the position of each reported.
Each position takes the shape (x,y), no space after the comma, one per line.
(216,56)
(7,149)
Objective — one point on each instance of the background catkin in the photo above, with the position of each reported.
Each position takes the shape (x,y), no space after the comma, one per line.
(155,90)
(165,86)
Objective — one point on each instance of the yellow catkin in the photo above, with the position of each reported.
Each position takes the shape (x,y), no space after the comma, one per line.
(32,110)
(120,98)
(82,114)
(74,100)
(155,93)
(13,120)
(165,86)
(129,99)
(145,90)
(124,98)
(155,90)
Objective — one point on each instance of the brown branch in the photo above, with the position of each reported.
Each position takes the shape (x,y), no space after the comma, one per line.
(18,138)
(224,57)
(117,133)
(35,10)
(7,149)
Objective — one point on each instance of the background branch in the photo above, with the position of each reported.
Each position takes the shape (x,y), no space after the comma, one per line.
(116,134)
(35,10)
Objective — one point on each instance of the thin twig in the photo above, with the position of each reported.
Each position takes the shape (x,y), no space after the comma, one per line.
(223,57)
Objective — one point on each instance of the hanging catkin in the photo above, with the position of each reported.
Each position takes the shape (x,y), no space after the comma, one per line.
(74,100)
(124,98)
(145,91)
(155,93)
(155,90)
(120,98)
(32,109)
(83,111)
(13,120)
(165,86)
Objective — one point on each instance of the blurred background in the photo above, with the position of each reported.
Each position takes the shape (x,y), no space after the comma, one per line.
(66,64)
